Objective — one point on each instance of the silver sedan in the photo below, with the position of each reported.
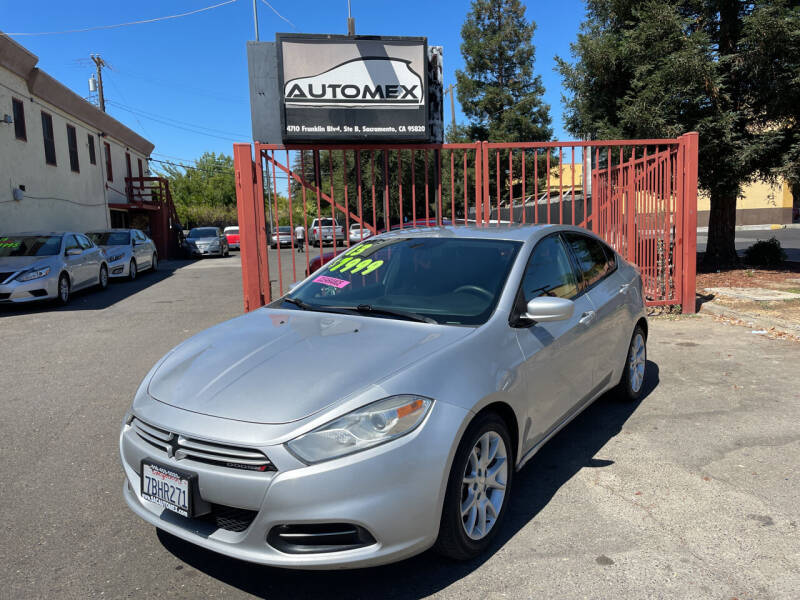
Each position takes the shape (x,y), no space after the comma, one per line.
(441,361)
(129,251)
(49,265)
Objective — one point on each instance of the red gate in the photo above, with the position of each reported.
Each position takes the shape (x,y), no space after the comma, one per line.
(639,195)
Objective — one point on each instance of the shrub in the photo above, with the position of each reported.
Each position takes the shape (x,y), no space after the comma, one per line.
(765,253)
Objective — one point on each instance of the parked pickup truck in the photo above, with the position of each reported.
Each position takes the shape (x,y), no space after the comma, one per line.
(325,230)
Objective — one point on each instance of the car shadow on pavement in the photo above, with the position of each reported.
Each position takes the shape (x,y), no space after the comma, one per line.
(94,298)
(571,450)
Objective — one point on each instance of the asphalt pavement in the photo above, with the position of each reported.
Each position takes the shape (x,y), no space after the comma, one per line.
(789,239)
(690,493)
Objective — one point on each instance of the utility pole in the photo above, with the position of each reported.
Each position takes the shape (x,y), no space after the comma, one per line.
(351,22)
(255,17)
(449,90)
(99,63)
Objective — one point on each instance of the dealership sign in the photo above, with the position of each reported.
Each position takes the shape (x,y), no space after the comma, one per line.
(339,88)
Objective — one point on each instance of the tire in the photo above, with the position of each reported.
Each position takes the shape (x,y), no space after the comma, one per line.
(460,534)
(102,278)
(154,262)
(227,253)
(64,289)
(631,384)
(133,270)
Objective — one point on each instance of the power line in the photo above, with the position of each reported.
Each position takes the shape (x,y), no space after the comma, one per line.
(279,14)
(143,21)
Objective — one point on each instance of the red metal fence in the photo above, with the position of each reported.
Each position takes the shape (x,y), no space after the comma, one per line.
(639,195)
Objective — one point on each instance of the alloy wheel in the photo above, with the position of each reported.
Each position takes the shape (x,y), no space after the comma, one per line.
(483,487)
(103,277)
(63,289)
(636,362)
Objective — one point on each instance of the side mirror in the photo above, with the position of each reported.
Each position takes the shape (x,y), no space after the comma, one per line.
(74,252)
(545,309)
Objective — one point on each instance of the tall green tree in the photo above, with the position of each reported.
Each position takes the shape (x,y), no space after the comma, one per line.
(725,68)
(497,89)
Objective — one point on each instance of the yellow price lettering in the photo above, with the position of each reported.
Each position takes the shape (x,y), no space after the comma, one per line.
(374,266)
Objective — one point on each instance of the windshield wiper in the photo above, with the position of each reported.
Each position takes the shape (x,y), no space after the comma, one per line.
(369,309)
(298,303)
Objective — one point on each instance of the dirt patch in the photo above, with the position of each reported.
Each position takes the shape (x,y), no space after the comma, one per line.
(743,277)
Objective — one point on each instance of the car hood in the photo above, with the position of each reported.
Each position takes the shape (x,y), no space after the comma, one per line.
(115,249)
(278,366)
(15,263)
(205,240)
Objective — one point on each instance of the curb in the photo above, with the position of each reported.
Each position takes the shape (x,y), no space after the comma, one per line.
(757,321)
(766,227)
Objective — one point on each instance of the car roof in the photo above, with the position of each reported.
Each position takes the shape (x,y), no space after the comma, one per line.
(494,231)
(112,230)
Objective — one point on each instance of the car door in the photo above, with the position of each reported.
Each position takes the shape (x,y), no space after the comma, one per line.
(141,249)
(91,256)
(75,264)
(559,362)
(598,266)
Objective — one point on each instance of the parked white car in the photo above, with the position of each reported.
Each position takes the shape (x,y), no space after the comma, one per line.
(358,233)
(128,251)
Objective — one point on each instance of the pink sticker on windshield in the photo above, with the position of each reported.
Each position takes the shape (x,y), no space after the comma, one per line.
(324,280)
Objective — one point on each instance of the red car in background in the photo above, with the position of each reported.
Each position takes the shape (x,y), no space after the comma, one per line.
(232,235)
(319,260)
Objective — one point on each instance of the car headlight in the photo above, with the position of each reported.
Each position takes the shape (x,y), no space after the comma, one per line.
(33,274)
(115,258)
(363,428)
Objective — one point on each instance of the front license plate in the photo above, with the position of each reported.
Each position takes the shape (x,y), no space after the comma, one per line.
(167,487)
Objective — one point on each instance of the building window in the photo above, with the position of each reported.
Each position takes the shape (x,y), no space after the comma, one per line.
(72,143)
(92,157)
(49,139)
(19,120)
(109,169)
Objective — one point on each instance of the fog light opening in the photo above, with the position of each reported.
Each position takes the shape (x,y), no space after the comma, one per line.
(318,538)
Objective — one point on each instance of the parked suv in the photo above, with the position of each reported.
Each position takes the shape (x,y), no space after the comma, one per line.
(326,230)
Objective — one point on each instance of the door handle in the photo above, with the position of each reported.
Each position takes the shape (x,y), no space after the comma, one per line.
(587,317)
(623,289)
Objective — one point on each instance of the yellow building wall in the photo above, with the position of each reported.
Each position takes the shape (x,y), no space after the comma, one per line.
(761,203)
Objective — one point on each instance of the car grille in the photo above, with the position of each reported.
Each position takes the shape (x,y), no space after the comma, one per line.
(5,275)
(183,447)
(229,517)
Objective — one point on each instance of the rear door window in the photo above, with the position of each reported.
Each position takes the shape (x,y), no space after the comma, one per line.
(591,256)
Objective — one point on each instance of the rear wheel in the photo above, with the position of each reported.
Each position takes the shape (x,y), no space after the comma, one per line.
(63,289)
(154,262)
(133,270)
(477,490)
(633,375)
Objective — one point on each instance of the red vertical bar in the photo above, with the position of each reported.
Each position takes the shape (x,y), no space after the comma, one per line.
(485,200)
(413,189)
(305,209)
(291,221)
(631,207)
(497,183)
(333,198)
(452,188)
(597,191)
(400,184)
(427,198)
(536,186)
(668,223)
(561,185)
(277,220)
(346,200)
(246,201)
(572,168)
(317,183)
(548,185)
(387,217)
(437,155)
(466,201)
(524,218)
(510,186)
(374,208)
(360,207)
(691,144)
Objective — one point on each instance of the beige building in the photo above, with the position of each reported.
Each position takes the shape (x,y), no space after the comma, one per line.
(761,203)
(63,162)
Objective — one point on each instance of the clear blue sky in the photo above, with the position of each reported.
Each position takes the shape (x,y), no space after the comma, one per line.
(174,79)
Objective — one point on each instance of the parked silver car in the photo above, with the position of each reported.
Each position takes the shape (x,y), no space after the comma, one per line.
(358,233)
(49,265)
(129,251)
(283,235)
(206,241)
(443,359)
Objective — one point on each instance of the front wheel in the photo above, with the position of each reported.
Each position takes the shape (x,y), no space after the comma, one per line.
(63,289)
(154,262)
(631,384)
(133,270)
(477,490)
(102,278)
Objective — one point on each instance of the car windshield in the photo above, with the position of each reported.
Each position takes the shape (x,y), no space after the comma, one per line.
(325,223)
(110,238)
(232,230)
(203,232)
(451,281)
(29,245)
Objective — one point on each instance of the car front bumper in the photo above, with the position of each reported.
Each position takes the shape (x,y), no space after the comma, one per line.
(118,269)
(196,251)
(43,288)
(394,492)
